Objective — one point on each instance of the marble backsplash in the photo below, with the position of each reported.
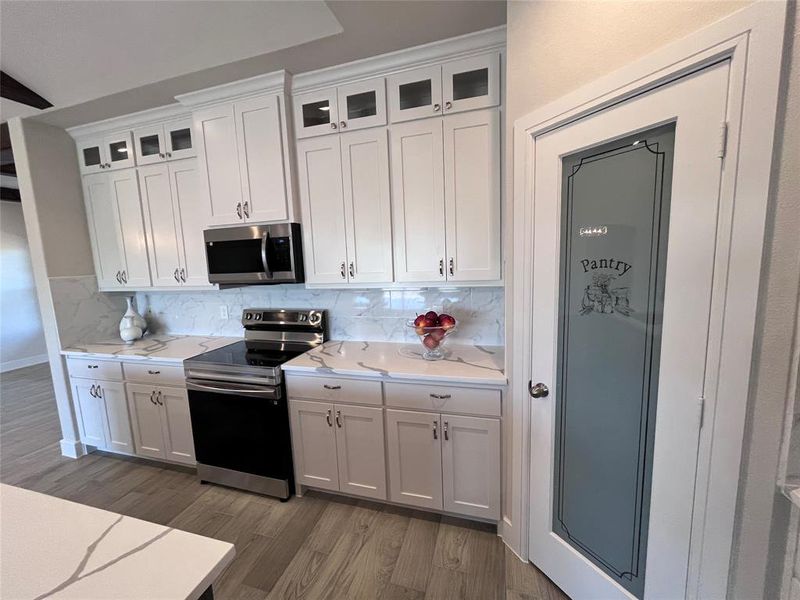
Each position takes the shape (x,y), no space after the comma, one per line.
(82,312)
(371,314)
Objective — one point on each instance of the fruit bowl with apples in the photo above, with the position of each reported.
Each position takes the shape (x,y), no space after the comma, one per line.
(433,330)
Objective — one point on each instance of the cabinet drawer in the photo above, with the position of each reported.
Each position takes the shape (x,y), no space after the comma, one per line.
(156,374)
(444,399)
(333,389)
(86,368)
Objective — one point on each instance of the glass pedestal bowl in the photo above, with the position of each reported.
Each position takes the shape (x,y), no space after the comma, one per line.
(432,339)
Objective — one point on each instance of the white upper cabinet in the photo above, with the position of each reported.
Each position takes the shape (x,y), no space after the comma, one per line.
(455,86)
(217,153)
(367,205)
(418,201)
(415,94)
(91,155)
(472,195)
(192,217)
(135,273)
(261,159)
(103,230)
(471,83)
(340,109)
(325,238)
(106,152)
(164,141)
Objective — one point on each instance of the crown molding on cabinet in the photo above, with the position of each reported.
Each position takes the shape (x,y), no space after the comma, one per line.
(401,60)
(277,81)
(137,119)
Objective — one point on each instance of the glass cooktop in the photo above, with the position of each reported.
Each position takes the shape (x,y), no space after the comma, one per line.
(250,353)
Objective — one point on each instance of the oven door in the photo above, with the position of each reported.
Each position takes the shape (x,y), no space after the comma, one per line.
(241,427)
(258,254)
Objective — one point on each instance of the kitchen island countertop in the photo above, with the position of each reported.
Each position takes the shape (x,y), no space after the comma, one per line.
(481,365)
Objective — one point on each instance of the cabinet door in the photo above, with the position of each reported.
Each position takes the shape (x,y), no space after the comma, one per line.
(145,413)
(415,458)
(415,94)
(367,205)
(91,155)
(178,139)
(90,407)
(418,201)
(316,113)
(116,422)
(471,83)
(191,218)
(160,222)
(472,195)
(471,466)
(119,150)
(314,444)
(359,448)
(362,104)
(215,136)
(149,144)
(261,167)
(324,235)
(103,230)
(133,245)
(176,424)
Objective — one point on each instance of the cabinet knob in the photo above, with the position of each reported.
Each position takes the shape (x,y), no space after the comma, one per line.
(342,124)
(175,276)
(333,125)
(102,166)
(441,267)
(183,275)
(246,209)
(169,154)
(436,108)
(239,209)
(352,269)
(452,267)
(161,155)
(342,271)
(448,105)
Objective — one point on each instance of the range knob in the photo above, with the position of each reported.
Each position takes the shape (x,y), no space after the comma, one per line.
(258,317)
(248,316)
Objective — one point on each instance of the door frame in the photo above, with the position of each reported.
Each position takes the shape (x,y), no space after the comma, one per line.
(752,39)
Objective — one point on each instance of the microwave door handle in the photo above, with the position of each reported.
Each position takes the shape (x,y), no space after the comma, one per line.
(264,258)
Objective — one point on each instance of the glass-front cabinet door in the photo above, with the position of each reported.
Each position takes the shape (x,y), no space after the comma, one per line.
(316,113)
(415,94)
(149,144)
(362,104)
(471,83)
(91,157)
(178,139)
(119,151)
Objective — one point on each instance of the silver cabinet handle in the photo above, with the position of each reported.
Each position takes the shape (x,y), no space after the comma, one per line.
(119,277)
(169,154)
(102,166)
(183,275)
(150,372)
(91,392)
(352,269)
(91,366)
(328,418)
(436,430)
(446,434)
(332,387)
(239,209)
(342,124)
(153,397)
(440,396)
(99,391)
(108,165)
(448,105)
(441,267)
(175,275)
(333,125)
(162,155)
(158,399)
(342,272)
(246,208)
(452,267)
(436,108)
(339,418)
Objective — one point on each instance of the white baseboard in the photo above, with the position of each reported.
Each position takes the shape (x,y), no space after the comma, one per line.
(72,448)
(28,361)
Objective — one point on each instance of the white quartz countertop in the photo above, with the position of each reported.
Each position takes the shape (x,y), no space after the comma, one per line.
(161,347)
(53,548)
(386,360)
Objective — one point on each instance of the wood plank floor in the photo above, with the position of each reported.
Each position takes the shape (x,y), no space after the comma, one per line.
(315,547)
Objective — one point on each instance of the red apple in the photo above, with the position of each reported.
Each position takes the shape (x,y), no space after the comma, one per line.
(430,342)
(446,322)
(432,317)
(438,334)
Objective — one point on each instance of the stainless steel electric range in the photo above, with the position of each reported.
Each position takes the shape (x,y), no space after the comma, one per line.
(238,404)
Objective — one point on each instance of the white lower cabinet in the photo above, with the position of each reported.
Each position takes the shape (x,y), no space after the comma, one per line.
(103,415)
(161,424)
(339,447)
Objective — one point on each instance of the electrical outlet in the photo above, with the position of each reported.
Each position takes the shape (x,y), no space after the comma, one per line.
(223,312)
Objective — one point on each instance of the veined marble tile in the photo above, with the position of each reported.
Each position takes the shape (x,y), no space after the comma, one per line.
(84,313)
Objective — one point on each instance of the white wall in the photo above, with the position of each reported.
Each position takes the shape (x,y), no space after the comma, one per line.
(21,336)
(556,47)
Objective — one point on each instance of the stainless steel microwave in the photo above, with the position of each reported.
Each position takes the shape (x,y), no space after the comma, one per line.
(254,254)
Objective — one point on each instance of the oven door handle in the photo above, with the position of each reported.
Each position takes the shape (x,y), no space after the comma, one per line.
(264,257)
(234,390)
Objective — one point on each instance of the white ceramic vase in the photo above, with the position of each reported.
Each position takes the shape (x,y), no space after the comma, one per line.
(132,326)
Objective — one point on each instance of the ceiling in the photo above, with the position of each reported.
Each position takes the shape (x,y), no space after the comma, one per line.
(100,59)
